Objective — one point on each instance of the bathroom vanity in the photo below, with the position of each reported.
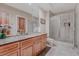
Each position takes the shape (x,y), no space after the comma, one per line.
(24,45)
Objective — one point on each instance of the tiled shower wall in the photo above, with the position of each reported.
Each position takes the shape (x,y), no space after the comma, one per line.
(58,31)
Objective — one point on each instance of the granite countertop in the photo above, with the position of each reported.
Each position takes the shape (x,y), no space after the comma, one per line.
(18,38)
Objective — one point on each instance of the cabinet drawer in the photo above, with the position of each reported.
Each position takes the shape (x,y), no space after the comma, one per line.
(8,48)
(44,36)
(27,43)
(38,39)
(44,40)
(13,53)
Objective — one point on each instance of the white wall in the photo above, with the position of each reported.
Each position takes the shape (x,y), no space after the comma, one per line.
(41,16)
(54,27)
(47,23)
(44,28)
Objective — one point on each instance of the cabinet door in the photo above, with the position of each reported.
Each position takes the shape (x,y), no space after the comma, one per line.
(44,40)
(9,49)
(37,48)
(26,47)
(13,53)
(43,45)
(26,51)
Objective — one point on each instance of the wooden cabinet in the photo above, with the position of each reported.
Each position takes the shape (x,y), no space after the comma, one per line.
(13,53)
(39,44)
(43,42)
(37,48)
(9,49)
(26,47)
(27,51)
(43,45)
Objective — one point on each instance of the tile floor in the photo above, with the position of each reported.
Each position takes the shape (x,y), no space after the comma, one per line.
(62,49)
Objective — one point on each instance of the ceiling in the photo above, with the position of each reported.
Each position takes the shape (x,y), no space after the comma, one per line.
(62,7)
(21,6)
(53,7)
